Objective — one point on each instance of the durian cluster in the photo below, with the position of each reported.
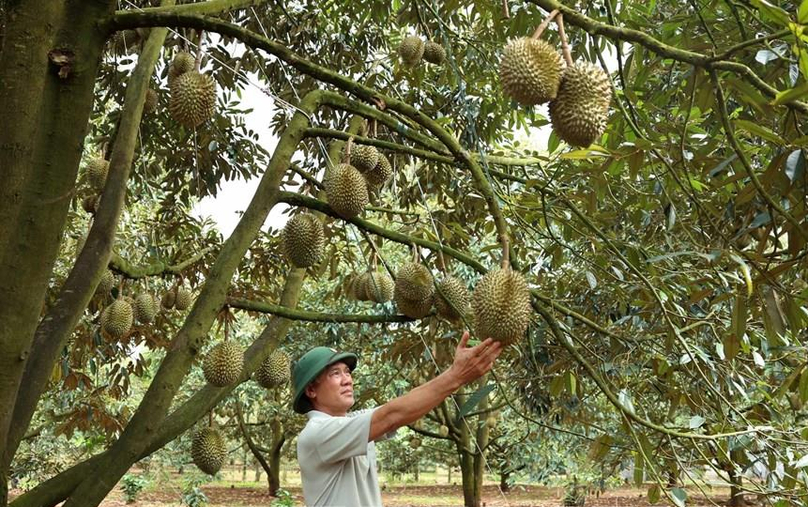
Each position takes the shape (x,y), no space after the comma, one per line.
(413,49)
(532,72)
(376,286)
(348,186)
(177,297)
(500,302)
(118,317)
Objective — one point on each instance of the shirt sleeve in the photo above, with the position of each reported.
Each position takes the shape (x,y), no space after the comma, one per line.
(339,438)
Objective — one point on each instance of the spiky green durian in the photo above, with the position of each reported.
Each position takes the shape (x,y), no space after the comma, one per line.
(208,450)
(501,304)
(434,53)
(97,169)
(169,298)
(451,290)
(150,103)
(116,319)
(183,62)
(145,308)
(378,286)
(106,284)
(411,50)
(530,71)
(223,364)
(381,172)
(90,203)
(580,109)
(274,371)
(303,240)
(183,298)
(346,190)
(414,309)
(364,157)
(414,282)
(193,98)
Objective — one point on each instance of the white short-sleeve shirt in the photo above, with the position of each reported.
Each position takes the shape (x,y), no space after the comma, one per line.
(337,462)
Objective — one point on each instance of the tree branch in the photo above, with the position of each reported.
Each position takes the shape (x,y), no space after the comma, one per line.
(405,239)
(129,270)
(209,7)
(307,315)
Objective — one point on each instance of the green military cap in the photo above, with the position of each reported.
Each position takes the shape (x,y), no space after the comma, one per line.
(308,367)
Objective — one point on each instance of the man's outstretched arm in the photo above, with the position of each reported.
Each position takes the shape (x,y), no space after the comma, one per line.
(470,363)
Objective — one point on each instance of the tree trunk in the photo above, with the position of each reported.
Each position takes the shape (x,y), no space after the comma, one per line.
(258,469)
(736,498)
(503,481)
(274,472)
(244,463)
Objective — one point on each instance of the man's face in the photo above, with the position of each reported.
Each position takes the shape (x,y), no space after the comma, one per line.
(332,391)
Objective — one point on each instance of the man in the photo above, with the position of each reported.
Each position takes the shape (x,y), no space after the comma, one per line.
(336,451)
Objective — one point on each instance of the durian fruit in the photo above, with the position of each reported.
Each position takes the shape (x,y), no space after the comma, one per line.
(223,364)
(443,430)
(414,282)
(183,298)
(360,287)
(413,309)
(364,157)
(90,203)
(169,298)
(380,173)
(303,240)
(491,421)
(530,71)
(415,442)
(378,286)
(193,97)
(150,104)
(208,450)
(411,50)
(97,169)
(434,53)
(145,308)
(451,290)
(346,190)
(580,109)
(274,371)
(183,62)
(106,284)
(116,319)
(501,304)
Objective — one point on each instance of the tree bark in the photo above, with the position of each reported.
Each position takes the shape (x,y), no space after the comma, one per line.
(57,325)
(39,156)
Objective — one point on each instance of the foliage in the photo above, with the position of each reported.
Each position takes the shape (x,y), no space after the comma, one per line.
(284,499)
(132,485)
(192,494)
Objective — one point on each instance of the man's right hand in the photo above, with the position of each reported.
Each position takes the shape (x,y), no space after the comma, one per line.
(471,363)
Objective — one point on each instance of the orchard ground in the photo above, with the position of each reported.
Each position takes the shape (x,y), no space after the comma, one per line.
(431,490)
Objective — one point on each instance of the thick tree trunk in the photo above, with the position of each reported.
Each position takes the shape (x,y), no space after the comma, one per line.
(274,473)
(47,73)
(503,481)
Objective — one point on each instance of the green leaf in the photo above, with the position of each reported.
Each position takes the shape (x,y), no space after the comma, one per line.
(802,12)
(791,94)
(557,385)
(571,382)
(679,496)
(696,421)
(653,494)
(639,469)
(600,446)
(583,154)
(772,12)
(803,387)
(760,131)
(475,400)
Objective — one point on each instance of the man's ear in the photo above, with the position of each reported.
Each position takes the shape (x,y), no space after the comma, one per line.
(310,392)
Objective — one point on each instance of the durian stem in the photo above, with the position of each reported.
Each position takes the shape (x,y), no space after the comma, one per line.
(441,262)
(346,155)
(210,418)
(199,42)
(506,252)
(544,24)
(505,12)
(565,47)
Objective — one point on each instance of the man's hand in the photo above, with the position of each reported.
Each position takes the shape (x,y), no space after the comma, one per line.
(471,363)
